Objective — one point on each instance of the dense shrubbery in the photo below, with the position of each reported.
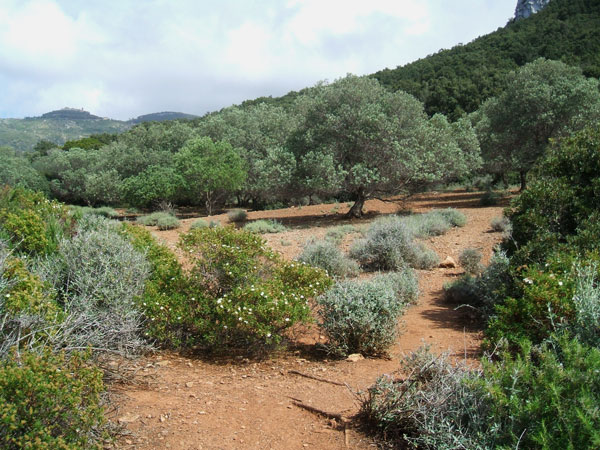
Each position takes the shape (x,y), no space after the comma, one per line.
(327,256)
(242,294)
(362,316)
(49,401)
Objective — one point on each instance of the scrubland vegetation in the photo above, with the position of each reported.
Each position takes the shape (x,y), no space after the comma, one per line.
(75,284)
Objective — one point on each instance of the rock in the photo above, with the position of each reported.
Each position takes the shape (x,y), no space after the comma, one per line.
(189,384)
(128,418)
(354,357)
(448,263)
(526,8)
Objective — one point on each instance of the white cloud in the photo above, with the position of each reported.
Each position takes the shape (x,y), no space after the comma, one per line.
(122,58)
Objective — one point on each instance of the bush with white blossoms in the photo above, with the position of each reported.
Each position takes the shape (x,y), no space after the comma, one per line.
(244,294)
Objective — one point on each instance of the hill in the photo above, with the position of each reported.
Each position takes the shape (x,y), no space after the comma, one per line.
(69,124)
(457,80)
(161,117)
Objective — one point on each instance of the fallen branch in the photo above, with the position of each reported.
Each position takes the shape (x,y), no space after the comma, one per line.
(312,377)
(335,416)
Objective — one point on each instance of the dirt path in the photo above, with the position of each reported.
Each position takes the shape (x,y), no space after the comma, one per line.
(184,403)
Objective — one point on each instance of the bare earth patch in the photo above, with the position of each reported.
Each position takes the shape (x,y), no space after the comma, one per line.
(190,403)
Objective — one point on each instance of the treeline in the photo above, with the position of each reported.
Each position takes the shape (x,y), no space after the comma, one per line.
(350,140)
(458,80)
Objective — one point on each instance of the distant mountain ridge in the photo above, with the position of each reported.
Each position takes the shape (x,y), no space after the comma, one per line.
(67,124)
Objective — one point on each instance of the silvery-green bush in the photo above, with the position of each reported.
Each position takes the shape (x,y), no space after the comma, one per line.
(361,316)
(325,255)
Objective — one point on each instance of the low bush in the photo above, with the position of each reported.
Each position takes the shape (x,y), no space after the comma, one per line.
(199,223)
(500,224)
(435,222)
(485,291)
(237,215)
(470,261)
(104,211)
(50,401)
(435,405)
(490,198)
(162,220)
(389,245)
(325,255)
(264,226)
(586,301)
(337,234)
(241,294)
(361,316)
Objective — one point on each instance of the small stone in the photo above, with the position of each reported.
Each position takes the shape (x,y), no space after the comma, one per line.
(189,384)
(128,418)
(354,357)
(448,263)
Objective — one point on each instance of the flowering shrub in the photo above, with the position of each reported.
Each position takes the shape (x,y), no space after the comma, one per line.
(242,294)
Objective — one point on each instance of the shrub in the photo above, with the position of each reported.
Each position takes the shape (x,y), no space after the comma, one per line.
(454,217)
(32,223)
(545,397)
(423,257)
(50,401)
(328,257)
(165,301)
(104,211)
(435,222)
(404,283)
(162,220)
(360,316)
(435,406)
(485,291)
(500,224)
(389,245)
(237,215)
(490,198)
(98,275)
(336,234)
(264,226)
(199,223)
(470,260)
(586,302)
(241,293)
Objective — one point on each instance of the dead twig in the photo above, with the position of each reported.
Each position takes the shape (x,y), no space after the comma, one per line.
(335,416)
(312,377)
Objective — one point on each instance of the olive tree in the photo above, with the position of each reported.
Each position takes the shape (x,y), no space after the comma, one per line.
(210,170)
(542,100)
(359,139)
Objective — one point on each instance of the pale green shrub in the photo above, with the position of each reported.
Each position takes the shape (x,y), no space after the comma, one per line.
(199,223)
(500,224)
(360,316)
(264,226)
(327,256)
(470,260)
(162,220)
(237,215)
(336,234)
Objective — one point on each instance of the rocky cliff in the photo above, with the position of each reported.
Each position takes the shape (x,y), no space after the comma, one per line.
(526,8)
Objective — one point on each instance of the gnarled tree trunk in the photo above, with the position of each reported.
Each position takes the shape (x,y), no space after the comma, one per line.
(357,209)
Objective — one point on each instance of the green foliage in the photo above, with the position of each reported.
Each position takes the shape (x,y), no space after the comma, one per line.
(16,170)
(434,406)
(485,291)
(359,139)
(362,316)
(87,143)
(458,80)
(545,397)
(211,170)
(543,100)
(237,215)
(150,187)
(50,401)
(104,211)
(199,223)
(389,245)
(562,203)
(470,260)
(328,257)
(162,220)
(242,294)
(164,302)
(544,298)
(586,302)
(31,222)
(264,226)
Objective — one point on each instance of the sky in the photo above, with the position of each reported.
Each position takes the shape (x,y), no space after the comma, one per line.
(124,58)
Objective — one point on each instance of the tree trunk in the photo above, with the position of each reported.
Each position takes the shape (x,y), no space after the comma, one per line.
(357,208)
(523,176)
(208,203)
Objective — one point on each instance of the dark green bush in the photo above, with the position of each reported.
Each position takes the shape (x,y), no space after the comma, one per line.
(50,402)
(241,293)
(237,215)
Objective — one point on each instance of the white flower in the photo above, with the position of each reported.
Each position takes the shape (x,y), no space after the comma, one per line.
(560,283)
(528,280)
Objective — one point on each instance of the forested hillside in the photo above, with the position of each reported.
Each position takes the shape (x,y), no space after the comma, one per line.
(458,80)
